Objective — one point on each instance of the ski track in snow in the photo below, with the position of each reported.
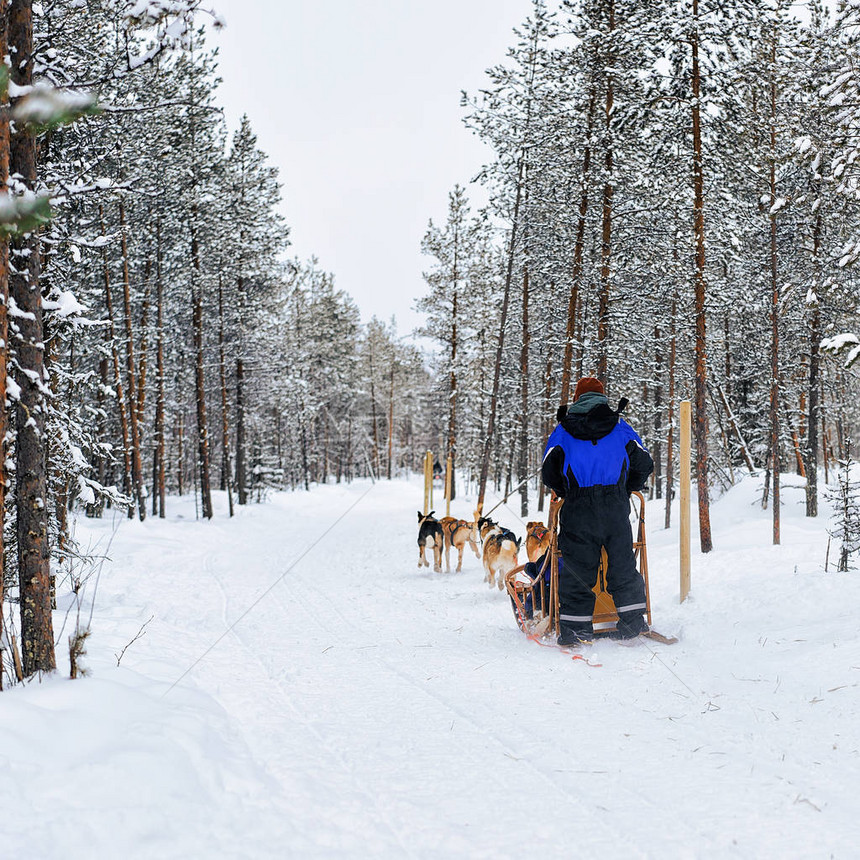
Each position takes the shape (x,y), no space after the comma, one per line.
(368,708)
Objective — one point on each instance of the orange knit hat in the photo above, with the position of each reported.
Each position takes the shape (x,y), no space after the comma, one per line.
(586,384)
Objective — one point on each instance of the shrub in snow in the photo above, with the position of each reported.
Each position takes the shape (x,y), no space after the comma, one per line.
(845,499)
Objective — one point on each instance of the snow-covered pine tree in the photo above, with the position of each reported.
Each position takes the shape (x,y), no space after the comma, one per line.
(505,117)
(149,210)
(259,236)
(450,307)
(316,354)
(844,496)
(54,465)
(834,145)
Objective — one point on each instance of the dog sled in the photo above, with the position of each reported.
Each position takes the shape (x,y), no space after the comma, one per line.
(535,598)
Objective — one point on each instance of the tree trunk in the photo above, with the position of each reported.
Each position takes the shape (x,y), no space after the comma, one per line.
(4,323)
(814,383)
(61,499)
(158,489)
(225,429)
(136,476)
(390,430)
(199,377)
(143,361)
(241,471)
(305,456)
(578,248)
(545,423)
(579,339)
(825,438)
(452,389)
(841,439)
(774,306)
(798,456)
(325,457)
(96,509)
(606,229)
(658,415)
(34,569)
(180,453)
(670,439)
(497,369)
(127,485)
(349,450)
(701,417)
(523,463)
(733,422)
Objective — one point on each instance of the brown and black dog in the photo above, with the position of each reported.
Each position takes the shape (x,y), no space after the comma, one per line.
(430,535)
(537,540)
(457,534)
(500,551)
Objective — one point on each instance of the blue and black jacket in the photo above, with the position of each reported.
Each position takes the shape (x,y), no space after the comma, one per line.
(594,447)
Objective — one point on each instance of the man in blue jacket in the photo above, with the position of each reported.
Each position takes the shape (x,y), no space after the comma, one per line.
(594,460)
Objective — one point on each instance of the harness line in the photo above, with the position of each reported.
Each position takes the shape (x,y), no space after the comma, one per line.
(504,501)
(268,590)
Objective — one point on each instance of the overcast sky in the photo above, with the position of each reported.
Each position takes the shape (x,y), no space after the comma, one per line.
(358,103)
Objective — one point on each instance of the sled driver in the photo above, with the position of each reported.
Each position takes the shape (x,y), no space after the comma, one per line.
(594,460)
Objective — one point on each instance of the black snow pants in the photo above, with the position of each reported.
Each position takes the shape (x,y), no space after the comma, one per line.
(591,518)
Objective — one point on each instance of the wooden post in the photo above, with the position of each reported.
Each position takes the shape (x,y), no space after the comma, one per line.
(554,607)
(448,476)
(428,482)
(685,498)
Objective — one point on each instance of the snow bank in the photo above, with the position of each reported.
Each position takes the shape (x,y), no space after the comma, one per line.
(107,768)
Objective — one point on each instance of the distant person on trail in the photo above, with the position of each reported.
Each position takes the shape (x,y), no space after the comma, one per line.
(594,460)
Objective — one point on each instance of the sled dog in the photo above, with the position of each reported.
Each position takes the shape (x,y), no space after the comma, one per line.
(537,540)
(431,536)
(500,555)
(486,527)
(457,534)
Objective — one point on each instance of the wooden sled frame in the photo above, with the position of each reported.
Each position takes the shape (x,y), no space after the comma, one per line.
(545,611)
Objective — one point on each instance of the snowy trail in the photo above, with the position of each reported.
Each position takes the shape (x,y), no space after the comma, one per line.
(366,708)
(381,691)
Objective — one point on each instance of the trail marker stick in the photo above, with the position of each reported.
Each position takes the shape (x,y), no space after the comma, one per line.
(428,482)
(685,499)
(448,477)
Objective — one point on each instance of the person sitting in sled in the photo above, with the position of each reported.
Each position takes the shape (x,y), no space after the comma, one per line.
(594,460)
(533,598)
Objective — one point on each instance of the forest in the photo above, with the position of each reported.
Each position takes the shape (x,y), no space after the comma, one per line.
(160,338)
(672,208)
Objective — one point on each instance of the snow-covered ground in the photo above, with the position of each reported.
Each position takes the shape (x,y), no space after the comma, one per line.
(360,707)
